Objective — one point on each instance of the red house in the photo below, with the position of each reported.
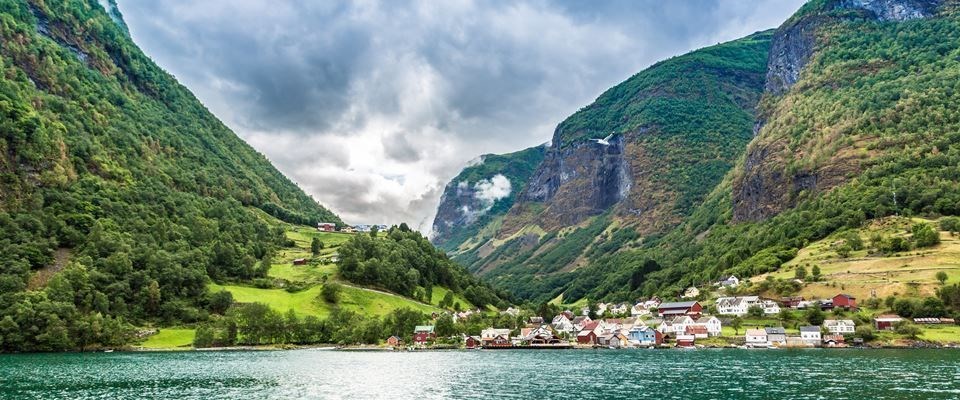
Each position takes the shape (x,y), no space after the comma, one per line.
(472,342)
(845,301)
(588,334)
(300,261)
(394,341)
(691,308)
(791,302)
(423,334)
(886,322)
(326,226)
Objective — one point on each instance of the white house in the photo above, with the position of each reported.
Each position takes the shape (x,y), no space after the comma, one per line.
(731,281)
(810,335)
(579,322)
(601,308)
(757,338)
(839,326)
(735,305)
(511,311)
(770,307)
(618,309)
(713,324)
(562,324)
(675,326)
(690,293)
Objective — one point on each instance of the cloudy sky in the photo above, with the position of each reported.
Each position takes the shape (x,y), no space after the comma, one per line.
(372,106)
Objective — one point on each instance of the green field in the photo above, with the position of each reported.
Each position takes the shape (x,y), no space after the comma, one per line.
(170,338)
(365,301)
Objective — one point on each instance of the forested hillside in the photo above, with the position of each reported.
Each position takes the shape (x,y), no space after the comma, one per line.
(121,194)
(858,121)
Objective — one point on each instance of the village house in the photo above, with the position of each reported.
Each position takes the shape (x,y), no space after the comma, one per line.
(691,293)
(601,308)
(423,334)
(691,308)
(698,331)
(590,332)
(934,321)
(770,307)
(639,310)
(675,326)
(791,302)
(735,305)
(686,340)
(839,326)
(645,336)
(535,320)
(886,322)
(579,322)
(834,340)
(845,301)
(731,281)
(713,324)
(394,341)
(300,261)
(326,226)
(776,336)
(539,336)
(513,312)
(618,309)
(472,342)
(493,337)
(561,323)
(810,335)
(757,338)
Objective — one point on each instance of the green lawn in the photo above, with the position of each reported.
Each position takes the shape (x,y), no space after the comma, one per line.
(170,338)
(941,333)
(306,273)
(369,303)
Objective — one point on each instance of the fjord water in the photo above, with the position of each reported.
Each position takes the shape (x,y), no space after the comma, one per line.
(601,374)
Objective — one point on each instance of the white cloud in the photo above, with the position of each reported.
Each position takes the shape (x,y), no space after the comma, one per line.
(490,190)
(372,106)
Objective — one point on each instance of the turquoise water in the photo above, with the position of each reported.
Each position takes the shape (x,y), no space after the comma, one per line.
(557,374)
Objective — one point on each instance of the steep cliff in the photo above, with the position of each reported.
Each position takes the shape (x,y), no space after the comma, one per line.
(778,169)
(480,195)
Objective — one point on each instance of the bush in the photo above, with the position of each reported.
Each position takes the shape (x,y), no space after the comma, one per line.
(924,235)
(865,332)
(331,292)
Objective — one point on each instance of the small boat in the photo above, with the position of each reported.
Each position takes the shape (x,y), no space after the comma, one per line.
(108,351)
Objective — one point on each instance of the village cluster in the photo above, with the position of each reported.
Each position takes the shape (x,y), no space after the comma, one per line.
(332,227)
(652,323)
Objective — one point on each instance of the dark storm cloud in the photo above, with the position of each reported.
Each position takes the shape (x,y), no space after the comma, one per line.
(372,105)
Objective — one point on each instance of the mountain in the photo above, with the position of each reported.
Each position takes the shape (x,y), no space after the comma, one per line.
(477,198)
(844,115)
(121,194)
(674,130)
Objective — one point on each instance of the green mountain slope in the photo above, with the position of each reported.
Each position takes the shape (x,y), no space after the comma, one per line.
(121,194)
(868,129)
(677,128)
(467,207)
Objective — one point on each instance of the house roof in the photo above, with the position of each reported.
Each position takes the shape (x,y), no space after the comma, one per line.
(809,329)
(756,332)
(423,328)
(695,329)
(775,331)
(837,322)
(589,326)
(677,304)
(845,295)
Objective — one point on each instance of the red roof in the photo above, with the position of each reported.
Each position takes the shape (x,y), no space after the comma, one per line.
(696,329)
(589,326)
(845,295)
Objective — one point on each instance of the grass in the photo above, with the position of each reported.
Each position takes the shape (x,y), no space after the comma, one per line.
(170,338)
(303,303)
(307,302)
(941,333)
(440,291)
(910,273)
(306,273)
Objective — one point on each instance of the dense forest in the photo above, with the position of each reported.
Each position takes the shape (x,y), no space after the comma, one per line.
(121,195)
(407,263)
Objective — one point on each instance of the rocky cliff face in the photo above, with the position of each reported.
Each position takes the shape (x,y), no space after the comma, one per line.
(482,193)
(766,185)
